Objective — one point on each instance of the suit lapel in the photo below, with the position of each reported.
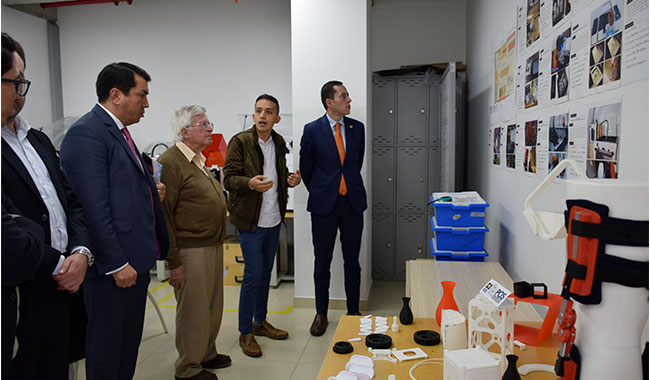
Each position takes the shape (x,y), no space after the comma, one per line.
(12,160)
(49,165)
(119,136)
(328,138)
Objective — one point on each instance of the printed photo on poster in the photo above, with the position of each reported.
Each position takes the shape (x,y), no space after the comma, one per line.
(531,81)
(604,133)
(560,58)
(496,146)
(553,160)
(606,44)
(558,141)
(510,145)
(532,22)
(504,69)
(530,140)
(561,8)
(530,164)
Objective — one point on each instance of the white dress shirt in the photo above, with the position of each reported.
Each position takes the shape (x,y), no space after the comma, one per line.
(333,126)
(270,211)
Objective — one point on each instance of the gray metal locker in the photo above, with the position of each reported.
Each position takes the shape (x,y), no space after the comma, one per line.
(383,111)
(410,240)
(383,179)
(412,105)
(433,176)
(411,186)
(434,115)
(383,246)
(406,154)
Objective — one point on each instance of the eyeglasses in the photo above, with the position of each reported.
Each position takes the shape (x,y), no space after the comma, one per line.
(22,85)
(207,125)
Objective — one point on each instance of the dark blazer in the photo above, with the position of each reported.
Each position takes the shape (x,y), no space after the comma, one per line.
(321,169)
(40,299)
(22,251)
(18,185)
(116,195)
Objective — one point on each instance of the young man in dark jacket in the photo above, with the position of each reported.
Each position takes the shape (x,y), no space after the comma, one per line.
(257,179)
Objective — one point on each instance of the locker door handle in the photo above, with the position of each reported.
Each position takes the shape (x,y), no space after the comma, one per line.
(390,179)
(421,179)
(389,245)
(390,111)
(422,110)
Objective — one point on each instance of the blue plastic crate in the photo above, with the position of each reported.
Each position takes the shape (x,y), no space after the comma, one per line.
(458,238)
(456,255)
(466,209)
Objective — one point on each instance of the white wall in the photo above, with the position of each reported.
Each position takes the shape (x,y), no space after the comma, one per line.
(31,33)
(416,32)
(219,54)
(314,50)
(510,240)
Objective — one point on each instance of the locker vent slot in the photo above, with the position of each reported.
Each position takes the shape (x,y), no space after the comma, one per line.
(381,206)
(413,82)
(380,140)
(380,151)
(380,272)
(410,207)
(412,151)
(411,140)
(381,83)
(380,217)
(411,218)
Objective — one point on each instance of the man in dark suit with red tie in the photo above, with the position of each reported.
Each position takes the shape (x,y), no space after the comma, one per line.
(331,155)
(124,215)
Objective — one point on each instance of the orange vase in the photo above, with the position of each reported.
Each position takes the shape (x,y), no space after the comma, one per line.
(447,301)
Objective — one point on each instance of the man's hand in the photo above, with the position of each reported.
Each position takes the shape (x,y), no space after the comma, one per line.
(126,277)
(162,190)
(294,179)
(177,277)
(258,183)
(72,272)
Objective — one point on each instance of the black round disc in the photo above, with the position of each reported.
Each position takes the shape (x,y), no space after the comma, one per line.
(426,337)
(378,341)
(342,347)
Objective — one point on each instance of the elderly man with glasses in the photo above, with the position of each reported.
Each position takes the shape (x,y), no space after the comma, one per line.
(195,212)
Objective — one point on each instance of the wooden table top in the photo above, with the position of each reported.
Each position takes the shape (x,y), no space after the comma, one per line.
(348,327)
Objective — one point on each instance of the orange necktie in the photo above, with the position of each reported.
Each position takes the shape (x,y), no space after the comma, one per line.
(343,189)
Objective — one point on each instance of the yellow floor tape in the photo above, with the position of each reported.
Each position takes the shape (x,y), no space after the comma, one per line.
(160,303)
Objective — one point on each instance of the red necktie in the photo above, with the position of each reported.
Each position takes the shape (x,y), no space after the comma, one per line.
(343,189)
(129,140)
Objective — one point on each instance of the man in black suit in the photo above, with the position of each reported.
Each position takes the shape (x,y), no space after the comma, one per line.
(33,180)
(22,252)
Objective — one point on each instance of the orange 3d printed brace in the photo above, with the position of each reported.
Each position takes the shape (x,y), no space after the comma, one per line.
(589,230)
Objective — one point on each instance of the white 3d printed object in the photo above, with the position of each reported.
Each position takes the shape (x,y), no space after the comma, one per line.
(491,328)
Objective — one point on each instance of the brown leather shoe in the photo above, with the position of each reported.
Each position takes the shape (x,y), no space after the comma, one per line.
(266,329)
(203,375)
(219,361)
(249,345)
(319,325)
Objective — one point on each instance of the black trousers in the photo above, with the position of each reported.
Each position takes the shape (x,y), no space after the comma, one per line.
(324,229)
(115,321)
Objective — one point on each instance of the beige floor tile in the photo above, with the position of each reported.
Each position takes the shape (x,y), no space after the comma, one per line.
(156,366)
(256,369)
(304,371)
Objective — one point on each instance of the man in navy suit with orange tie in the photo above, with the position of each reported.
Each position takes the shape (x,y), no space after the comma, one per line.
(331,156)
(125,217)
